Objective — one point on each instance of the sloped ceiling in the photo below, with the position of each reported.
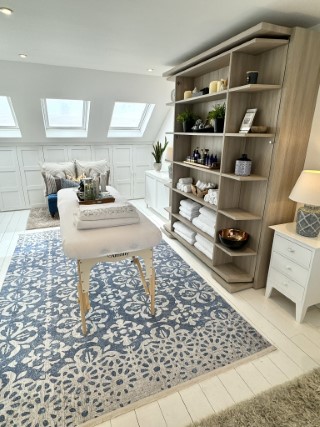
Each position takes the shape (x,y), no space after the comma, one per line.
(101,50)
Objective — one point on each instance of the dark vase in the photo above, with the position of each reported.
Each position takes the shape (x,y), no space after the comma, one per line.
(187,125)
(219,124)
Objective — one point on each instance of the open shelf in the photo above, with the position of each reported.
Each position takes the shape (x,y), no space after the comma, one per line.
(254,88)
(192,227)
(195,133)
(195,198)
(250,135)
(236,253)
(244,178)
(204,98)
(193,249)
(238,214)
(199,168)
(232,274)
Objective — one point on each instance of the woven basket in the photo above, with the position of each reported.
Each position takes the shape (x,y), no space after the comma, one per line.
(197,192)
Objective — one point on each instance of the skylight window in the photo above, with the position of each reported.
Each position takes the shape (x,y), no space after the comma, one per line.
(8,123)
(129,119)
(65,117)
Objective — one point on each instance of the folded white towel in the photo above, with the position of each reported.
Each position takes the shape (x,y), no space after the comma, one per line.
(178,225)
(209,213)
(107,211)
(188,239)
(211,197)
(188,216)
(186,188)
(207,221)
(189,211)
(186,180)
(209,254)
(104,223)
(188,203)
(203,227)
(204,242)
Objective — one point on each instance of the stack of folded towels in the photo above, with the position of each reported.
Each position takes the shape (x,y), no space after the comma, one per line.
(204,245)
(211,197)
(184,184)
(105,215)
(206,221)
(189,209)
(184,232)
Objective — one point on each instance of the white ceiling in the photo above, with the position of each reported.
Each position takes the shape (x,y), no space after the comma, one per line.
(134,35)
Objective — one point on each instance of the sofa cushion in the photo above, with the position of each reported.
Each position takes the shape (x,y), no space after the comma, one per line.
(92,169)
(68,183)
(52,174)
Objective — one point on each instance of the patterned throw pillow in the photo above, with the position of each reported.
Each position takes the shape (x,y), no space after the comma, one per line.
(68,183)
(50,183)
(93,168)
(52,174)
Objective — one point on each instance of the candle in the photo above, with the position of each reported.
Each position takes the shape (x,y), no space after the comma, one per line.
(187,94)
(213,86)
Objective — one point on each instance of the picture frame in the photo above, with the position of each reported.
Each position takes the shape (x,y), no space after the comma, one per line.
(248,120)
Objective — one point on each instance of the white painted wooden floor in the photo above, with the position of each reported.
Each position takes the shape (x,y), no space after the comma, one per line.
(298,345)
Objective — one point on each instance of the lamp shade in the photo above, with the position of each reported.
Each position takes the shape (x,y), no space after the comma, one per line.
(307,188)
(169,153)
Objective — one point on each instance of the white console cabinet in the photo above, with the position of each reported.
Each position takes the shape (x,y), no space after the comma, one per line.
(157,193)
(295,268)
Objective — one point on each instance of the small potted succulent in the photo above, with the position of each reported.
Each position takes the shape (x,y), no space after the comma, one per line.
(188,119)
(157,153)
(216,116)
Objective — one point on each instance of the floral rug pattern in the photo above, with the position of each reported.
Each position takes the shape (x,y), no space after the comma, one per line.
(51,375)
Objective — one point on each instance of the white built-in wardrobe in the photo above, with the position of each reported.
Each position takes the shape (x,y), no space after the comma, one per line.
(21,184)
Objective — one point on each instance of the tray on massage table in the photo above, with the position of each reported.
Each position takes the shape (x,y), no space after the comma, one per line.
(102,198)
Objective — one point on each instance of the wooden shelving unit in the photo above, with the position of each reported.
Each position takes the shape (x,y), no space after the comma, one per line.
(253,202)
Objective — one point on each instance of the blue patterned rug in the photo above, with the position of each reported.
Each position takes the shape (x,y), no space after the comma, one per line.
(51,375)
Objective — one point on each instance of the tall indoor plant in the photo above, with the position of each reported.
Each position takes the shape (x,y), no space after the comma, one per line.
(157,153)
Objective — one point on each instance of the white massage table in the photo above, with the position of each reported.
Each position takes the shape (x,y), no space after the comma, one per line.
(113,244)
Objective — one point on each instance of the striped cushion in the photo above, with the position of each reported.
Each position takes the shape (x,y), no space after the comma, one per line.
(50,183)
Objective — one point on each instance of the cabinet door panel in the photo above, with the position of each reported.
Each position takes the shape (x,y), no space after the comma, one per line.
(11,192)
(55,154)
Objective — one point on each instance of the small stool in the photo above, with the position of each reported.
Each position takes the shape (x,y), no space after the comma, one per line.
(52,204)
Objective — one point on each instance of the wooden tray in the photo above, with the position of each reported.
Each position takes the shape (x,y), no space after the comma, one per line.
(103,198)
(215,166)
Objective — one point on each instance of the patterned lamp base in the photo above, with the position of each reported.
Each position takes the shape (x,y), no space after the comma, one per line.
(308,221)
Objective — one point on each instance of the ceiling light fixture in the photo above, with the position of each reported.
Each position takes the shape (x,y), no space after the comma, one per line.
(150,70)
(6,11)
(23,55)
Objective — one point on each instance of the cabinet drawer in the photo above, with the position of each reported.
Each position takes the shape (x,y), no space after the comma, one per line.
(290,269)
(292,250)
(286,286)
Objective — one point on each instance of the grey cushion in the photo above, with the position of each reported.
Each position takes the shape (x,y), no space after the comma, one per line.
(93,168)
(50,183)
(68,183)
(60,170)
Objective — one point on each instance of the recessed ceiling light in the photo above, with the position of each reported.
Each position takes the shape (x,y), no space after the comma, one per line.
(23,55)
(150,70)
(6,11)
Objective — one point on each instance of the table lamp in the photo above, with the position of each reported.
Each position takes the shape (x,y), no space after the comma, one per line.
(169,158)
(307,191)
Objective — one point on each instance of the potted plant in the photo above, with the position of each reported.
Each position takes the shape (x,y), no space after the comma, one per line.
(187,118)
(157,153)
(216,116)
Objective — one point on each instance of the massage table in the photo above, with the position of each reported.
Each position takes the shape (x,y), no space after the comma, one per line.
(113,244)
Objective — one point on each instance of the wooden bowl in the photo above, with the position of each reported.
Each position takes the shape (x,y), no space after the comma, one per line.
(233,238)
(259,129)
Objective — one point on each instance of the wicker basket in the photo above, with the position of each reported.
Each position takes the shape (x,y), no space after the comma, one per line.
(197,192)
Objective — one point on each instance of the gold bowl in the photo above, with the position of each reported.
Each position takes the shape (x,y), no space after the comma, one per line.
(233,238)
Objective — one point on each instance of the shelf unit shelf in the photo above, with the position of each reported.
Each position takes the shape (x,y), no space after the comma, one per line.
(248,178)
(251,202)
(199,168)
(192,227)
(195,198)
(238,214)
(236,253)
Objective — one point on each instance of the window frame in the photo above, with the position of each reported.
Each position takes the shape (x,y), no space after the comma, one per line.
(131,131)
(10,131)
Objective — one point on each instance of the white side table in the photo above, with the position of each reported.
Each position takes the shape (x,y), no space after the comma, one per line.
(157,193)
(295,268)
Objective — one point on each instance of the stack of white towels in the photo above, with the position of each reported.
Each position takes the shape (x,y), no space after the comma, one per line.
(206,221)
(204,245)
(189,209)
(184,232)
(184,184)
(211,197)
(105,215)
